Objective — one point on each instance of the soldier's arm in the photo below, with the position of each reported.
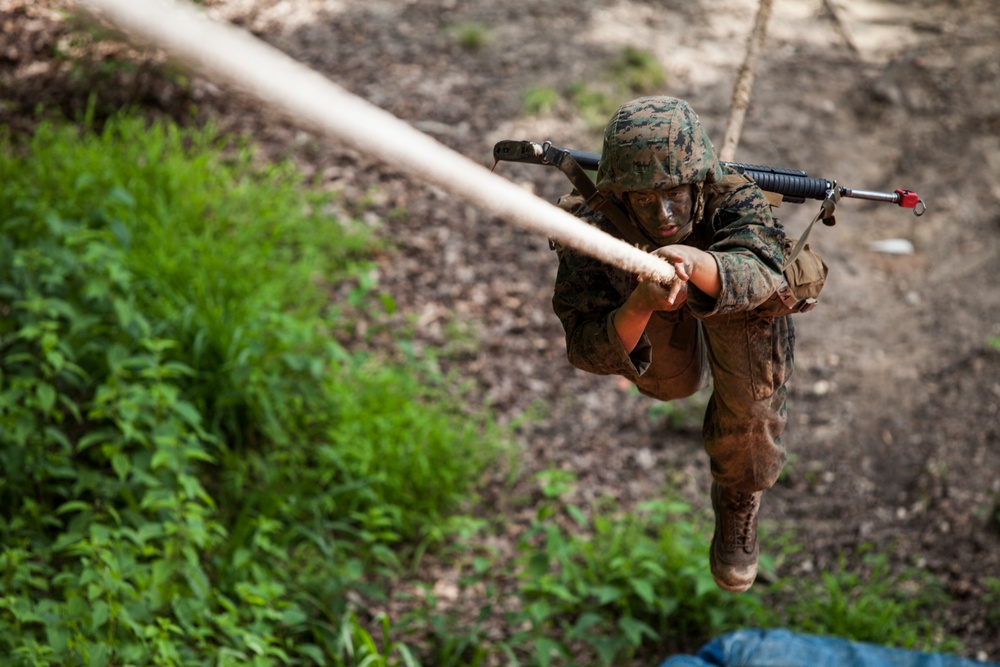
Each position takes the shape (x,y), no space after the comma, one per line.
(587,304)
(748,248)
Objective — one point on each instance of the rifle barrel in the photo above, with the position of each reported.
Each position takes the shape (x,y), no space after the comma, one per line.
(891,197)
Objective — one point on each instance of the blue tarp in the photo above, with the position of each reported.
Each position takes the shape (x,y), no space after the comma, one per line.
(782,648)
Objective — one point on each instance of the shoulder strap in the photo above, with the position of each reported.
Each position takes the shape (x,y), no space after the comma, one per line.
(716,193)
(826,214)
(594,198)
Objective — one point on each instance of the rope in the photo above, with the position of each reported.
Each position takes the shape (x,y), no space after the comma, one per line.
(845,31)
(744,83)
(224,52)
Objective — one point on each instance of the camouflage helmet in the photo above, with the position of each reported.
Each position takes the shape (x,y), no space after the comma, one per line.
(655,143)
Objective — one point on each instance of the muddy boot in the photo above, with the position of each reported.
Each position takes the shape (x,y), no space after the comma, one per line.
(733,556)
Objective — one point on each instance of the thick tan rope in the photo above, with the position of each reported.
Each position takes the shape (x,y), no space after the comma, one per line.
(226,53)
(744,83)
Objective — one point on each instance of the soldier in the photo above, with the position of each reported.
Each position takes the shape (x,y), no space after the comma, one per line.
(715,227)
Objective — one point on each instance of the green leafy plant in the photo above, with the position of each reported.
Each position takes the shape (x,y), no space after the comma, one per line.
(684,414)
(866,601)
(102,456)
(593,104)
(358,647)
(471,35)
(634,72)
(194,471)
(539,100)
(610,584)
(638,72)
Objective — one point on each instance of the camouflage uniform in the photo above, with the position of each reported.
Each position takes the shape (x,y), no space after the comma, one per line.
(749,354)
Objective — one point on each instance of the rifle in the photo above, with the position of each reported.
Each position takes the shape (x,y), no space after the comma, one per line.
(792,185)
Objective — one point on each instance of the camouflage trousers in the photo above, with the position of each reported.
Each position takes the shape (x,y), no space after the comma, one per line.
(750,359)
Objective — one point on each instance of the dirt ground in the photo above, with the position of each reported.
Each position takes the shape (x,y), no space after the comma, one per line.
(894,427)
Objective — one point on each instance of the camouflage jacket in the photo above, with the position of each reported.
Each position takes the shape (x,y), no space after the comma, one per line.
(737,228)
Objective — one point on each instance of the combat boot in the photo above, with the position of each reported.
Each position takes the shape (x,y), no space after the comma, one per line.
(733,556)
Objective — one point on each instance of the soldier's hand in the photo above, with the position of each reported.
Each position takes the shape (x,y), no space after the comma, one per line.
(691,264)
(658,296)
(678,294)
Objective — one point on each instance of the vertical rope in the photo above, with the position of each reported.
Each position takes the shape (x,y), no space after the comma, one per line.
(224,52)
(744,83)
(845,31)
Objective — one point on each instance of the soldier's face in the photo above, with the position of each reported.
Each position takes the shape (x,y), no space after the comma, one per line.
(665,215)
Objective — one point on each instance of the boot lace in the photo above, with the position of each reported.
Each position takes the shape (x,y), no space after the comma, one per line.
(743,514)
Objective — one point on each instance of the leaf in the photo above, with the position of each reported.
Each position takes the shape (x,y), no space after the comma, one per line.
(46,394)
(99,614)
(177,369)
(160,458)
(72,506)
(163,571)
(84,181)
(668,606)
(255,644)
(644,590)
(192,487)
(121,232)
(198,454)
(606,594)
(93,438)
(703,584)
(538,565)
(66,541)
(121,465)
(22,609)
(148,531)
(70,406)
(408,658)
(57,637)
(53,434)
(546,649)
(562,592)
(586,621)
(635,629)
(122,196)
(294,616)
(607,647)
(577,514)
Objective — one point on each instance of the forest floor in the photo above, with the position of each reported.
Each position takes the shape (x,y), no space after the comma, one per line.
(894,433)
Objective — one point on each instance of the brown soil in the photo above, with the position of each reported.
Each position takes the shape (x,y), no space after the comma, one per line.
(895,426)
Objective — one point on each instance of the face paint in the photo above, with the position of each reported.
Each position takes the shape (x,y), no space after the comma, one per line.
(664,215)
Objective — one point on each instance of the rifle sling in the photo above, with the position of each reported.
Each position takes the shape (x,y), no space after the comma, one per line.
(826,214)
(594,198)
